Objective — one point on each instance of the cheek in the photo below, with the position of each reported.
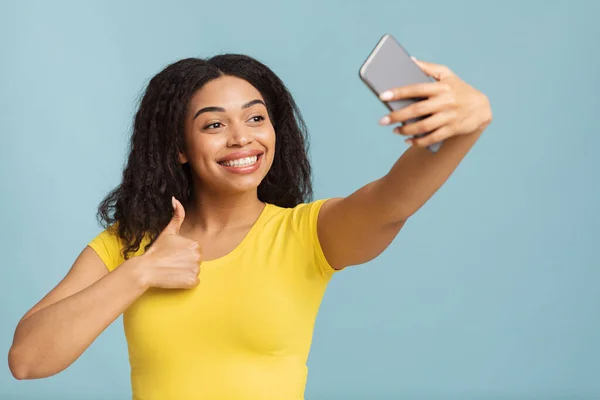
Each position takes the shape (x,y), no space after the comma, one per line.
(202,147)
(267,138)
(202,151)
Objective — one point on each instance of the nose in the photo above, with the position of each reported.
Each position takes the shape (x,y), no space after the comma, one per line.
(239,136)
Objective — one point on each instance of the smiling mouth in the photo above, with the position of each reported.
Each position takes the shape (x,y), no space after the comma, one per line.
(241,162)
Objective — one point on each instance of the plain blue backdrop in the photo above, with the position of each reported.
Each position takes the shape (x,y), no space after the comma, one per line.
(490,291)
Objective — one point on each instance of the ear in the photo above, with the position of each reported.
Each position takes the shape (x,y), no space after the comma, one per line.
(182,158)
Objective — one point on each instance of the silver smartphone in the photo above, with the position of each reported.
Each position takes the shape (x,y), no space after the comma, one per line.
(389,66)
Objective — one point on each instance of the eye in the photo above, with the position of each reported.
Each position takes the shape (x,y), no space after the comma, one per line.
(257,118)
(215,125)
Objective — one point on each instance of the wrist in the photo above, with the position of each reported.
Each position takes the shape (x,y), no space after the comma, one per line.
(138,272)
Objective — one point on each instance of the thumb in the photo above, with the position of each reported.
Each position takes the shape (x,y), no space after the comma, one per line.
(178,217)
(436,71)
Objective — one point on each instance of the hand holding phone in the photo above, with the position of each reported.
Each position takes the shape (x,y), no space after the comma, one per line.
(390,66)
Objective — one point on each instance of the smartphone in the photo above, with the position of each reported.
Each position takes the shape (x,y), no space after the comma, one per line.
(389,66)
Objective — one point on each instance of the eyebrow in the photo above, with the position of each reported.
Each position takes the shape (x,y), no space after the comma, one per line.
(221,109)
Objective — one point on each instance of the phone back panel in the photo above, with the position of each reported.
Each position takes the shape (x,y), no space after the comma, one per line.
(389,66)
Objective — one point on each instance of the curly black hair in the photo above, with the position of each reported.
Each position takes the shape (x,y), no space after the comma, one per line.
(140,205)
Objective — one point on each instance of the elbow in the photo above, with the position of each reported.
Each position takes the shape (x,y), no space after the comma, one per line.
(23,366)
(18,368)
(19,374)
(400,217)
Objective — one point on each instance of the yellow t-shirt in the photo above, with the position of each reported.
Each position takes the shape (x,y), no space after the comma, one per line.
(245,331)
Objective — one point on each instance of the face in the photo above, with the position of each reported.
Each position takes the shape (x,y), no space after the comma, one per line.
(229,138)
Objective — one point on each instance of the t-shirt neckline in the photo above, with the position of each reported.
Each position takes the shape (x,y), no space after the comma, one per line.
(232,254)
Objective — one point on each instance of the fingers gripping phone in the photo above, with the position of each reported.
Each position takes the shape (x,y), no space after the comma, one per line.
(389,66)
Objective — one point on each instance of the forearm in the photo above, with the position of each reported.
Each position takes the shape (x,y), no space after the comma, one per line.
(51,339)
(418,174)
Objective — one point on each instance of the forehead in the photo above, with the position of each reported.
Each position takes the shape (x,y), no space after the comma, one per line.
(225,91)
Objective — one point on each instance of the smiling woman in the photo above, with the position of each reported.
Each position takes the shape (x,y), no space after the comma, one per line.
(245,161)
(213,249)
(230,147)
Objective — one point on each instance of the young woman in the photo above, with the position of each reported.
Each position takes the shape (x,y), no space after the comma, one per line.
(213,249)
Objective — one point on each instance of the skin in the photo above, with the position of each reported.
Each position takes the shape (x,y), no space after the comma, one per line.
(356,229)
(352,230)
(227,204)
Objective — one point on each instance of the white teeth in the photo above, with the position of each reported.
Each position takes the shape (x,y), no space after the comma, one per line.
(242,162)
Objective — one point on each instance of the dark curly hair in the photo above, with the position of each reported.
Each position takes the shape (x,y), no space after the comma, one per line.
(140,205)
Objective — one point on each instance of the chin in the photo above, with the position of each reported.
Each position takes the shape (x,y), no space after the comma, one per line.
(240,185)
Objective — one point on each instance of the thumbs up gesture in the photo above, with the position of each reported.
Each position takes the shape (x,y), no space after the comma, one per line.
(173,262)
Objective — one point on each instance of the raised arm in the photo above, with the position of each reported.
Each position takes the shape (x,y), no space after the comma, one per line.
(357,228)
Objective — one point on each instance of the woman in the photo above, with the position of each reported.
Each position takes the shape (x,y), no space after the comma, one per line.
(218,179)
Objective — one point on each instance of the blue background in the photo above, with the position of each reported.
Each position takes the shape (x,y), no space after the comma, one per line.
(490,291)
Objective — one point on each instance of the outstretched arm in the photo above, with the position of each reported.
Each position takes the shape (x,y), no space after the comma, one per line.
(357,228)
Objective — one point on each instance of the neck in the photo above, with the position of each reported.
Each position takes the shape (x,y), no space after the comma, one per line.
(212,213)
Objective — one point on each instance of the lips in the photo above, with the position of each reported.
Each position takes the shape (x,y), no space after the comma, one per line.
(242,168)
(240,162)
(240,154)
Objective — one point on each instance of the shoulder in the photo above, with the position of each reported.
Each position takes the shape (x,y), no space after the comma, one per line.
(302,210)
(301,218)
(300,223)
(109,247)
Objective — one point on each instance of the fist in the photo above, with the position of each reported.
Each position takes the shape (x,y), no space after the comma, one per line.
(173,262)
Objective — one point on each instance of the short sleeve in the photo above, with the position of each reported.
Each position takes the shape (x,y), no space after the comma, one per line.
(305,217)
(108,246)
